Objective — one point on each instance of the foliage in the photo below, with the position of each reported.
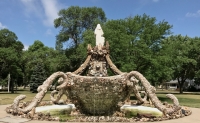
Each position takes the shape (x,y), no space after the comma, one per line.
(10,54)
(180,52)
(195,52)
(192,88)
(74,21)
(138,43)
(135,44)
(37,77)
(52,59)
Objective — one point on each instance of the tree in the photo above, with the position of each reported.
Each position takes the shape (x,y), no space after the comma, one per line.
(10,54)
(52,59)
(135,44)
(37,45)
(179,50)
(37,77)
(74,21)
(195,53)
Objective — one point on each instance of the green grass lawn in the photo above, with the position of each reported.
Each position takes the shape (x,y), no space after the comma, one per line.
(7,98)
(186,99)
(190,99)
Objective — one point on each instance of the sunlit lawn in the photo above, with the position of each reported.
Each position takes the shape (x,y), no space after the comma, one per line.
(7,98)
(186,99)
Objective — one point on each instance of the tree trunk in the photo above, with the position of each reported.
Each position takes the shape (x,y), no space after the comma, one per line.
(181,87)
(16,88)
(8,82)
(11,86)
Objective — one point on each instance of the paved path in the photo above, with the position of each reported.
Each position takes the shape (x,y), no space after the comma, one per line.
(194,118)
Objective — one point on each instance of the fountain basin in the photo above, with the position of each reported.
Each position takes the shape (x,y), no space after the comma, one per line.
(98,95)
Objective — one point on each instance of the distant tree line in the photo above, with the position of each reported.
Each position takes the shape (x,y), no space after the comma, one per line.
(137,42)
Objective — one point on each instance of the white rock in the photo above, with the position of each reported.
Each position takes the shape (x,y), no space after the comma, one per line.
(50,108)
(134,110)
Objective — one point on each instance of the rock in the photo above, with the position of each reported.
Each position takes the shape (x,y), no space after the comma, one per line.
(141,111)
(61,102)
(56,119)
(55,109)
(186,111)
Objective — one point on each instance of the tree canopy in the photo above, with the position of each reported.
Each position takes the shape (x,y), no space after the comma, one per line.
(139,43)
(10,54)
(74,20)
(52,60)
(182,55)
(37,77)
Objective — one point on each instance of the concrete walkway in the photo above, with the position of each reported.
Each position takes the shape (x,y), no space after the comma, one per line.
(194,118)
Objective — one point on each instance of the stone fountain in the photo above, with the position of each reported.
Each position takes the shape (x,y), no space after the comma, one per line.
(96,93)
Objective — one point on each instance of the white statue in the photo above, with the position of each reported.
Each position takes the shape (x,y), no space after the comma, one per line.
(99,36)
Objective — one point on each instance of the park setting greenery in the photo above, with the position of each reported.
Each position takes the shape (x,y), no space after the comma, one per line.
(189,99)
(139,43)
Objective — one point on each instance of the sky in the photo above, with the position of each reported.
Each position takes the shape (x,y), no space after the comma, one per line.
(33,20)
